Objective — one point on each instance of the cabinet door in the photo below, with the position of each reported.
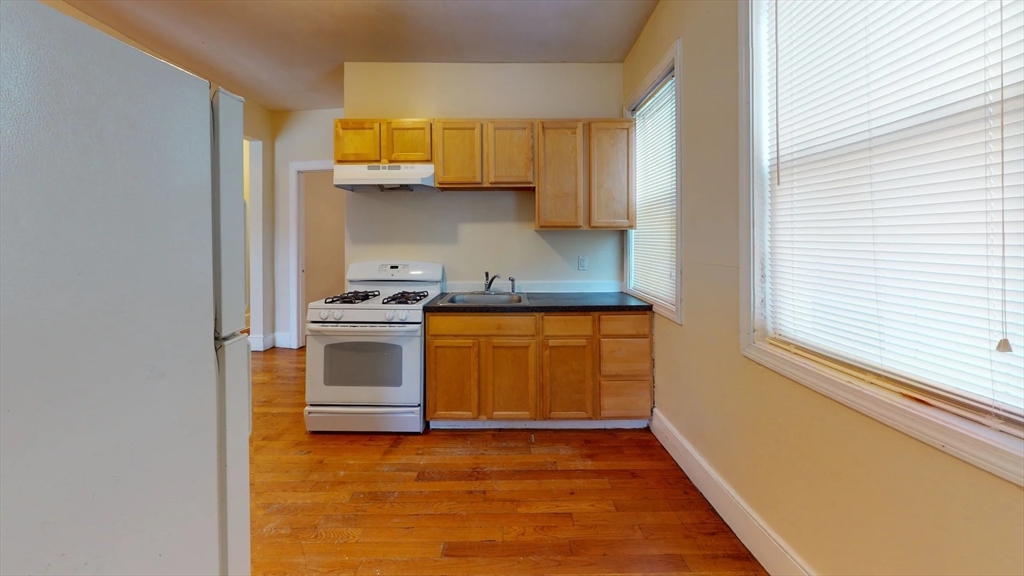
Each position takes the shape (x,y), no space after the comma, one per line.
(407,141)
(508,151)
(612,181)
(457,152)
(356,140)
(561,179)
(509,379)
(568,384)
(453,379)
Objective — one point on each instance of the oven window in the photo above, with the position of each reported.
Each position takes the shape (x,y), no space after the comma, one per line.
(363,364)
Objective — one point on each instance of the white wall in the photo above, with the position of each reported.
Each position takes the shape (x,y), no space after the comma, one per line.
(299,136)
(470,232)
(850,495)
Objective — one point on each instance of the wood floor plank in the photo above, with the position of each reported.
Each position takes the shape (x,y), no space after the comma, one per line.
(469,501)
(512,549)
(673,564)
(635,547)
(574,532)
(564,506)
(442,521)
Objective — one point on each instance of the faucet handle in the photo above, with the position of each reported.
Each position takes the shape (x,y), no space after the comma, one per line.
(512,281)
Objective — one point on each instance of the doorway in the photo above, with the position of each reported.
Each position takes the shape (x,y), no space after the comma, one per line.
(323,236)
(258,248)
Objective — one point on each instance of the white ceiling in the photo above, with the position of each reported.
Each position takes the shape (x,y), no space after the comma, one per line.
(289,54)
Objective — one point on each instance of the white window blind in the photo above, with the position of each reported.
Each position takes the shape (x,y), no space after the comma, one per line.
(894,133)
(652,246)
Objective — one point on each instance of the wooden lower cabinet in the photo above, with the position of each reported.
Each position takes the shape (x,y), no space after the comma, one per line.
(539,366)
(509,379)
(568,380)
(453,379)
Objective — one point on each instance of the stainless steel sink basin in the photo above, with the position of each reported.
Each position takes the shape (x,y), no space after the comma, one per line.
(484,298)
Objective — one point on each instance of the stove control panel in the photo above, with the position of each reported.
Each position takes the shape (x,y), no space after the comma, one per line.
(393,268)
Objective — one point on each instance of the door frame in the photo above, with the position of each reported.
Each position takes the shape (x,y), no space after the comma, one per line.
(260,260)
(296,254)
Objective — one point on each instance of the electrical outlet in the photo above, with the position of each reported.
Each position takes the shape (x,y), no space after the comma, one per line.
(583,263)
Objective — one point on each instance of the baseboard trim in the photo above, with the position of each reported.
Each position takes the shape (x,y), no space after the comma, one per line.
(770,550)
(537,424)
(285,340)
(259,343)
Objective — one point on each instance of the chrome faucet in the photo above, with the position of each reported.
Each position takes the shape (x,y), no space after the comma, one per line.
(489,280)
(512,281)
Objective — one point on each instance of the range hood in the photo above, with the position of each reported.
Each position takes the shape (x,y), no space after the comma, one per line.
(385,177)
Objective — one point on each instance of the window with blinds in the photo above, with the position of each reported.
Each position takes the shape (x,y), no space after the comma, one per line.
(894,136)
(651,248)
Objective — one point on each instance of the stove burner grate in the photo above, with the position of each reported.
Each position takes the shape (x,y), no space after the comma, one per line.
(405,298)
(354,297)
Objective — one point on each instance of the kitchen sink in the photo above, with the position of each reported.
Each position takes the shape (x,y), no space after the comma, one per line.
(484,298)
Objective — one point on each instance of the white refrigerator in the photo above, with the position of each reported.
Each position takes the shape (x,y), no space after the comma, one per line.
(125,406)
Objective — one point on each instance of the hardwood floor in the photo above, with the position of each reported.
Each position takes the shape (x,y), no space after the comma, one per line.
(479,502)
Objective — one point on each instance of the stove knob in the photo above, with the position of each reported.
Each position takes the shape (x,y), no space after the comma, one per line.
(403,316)
(338,314)
(389,316)
(323,314)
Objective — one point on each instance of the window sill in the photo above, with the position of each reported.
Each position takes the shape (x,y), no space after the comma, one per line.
(991,450)
(659,308)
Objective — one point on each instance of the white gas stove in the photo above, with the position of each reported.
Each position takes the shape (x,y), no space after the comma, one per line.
(364,349)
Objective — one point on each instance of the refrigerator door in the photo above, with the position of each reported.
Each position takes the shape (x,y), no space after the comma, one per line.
(109,429)
(228,215)
(235,386)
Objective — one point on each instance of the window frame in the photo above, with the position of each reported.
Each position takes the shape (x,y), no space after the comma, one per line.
(997,452)
(669,65)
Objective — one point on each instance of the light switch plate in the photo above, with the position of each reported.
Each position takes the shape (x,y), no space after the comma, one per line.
(583,263)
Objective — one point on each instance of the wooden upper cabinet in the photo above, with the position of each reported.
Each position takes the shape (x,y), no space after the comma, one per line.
(357,140)
(458,147)
(612,180)
(561,177)
(407,141)
(508,152)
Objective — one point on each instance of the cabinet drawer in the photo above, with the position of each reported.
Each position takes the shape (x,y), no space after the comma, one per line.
(489,325)
(568,325)
(626,399)
(626,325)
(626,357)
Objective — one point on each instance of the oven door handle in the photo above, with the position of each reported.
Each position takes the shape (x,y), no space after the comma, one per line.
(363,410)
(367,329)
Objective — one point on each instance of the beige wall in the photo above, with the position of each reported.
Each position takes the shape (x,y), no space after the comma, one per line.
(470,232)
(847,493)
(325,236)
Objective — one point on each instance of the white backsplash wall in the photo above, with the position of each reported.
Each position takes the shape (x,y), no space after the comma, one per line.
(470,232)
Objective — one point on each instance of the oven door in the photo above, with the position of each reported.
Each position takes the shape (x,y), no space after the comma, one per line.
(364,364)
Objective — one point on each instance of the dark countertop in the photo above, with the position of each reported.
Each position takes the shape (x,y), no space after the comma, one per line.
(552,302)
